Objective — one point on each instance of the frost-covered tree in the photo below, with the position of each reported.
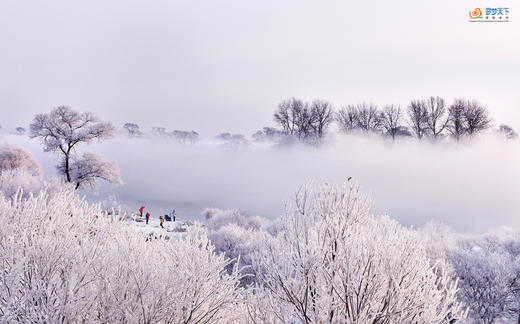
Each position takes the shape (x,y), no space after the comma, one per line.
(476,117)
(159,131)
(238,243)
(488,268)
(403,131)
(456,125)
(391,120)
(17,158)
(507,132)
(184,137)
(13,180)
(18,169)
(19,131)
(322,115)
(368,117)
(489,272)
(268,134)
(485,280)
(63,130)
(64,261)
(89,168)
(436,119)
(304,121)
(347,118)
(334,263)
(216,218)
(365,117)
(418,118)
(132,130)
(184,281)
(232,141)
(293,117)
(467,117)
(237,235)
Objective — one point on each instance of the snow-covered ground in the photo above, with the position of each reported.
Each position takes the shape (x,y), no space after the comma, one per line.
(153,226)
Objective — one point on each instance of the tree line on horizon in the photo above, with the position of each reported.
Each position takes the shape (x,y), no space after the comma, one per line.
(430,118)
(297,120)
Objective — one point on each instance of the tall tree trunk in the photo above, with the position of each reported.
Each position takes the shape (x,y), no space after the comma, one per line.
(67,171)
(67,164)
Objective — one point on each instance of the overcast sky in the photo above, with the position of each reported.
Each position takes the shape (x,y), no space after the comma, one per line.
(222,65)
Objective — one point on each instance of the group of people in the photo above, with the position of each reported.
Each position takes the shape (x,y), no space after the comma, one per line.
(162,218)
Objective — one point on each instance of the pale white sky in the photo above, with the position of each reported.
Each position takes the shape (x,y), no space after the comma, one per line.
(218,66)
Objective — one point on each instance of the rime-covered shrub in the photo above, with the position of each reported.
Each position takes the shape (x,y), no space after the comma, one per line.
(489,272)
(507,132)
(438,240)
(217,218)
(18,170)
(238,243)
(232,141)
(237,235)
(64,261)
(268,134)
(487,266)
(184,137)
(334,263)
(111,205)
(13,180)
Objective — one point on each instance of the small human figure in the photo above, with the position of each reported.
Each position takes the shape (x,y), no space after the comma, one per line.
(161,220)
(147,218)
(141,211)
(173,215)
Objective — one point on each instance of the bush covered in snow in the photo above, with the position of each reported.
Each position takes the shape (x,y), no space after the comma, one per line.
(329,261)
(64,261)
(334,263)
(488,268)
(18,169)
(238,236)
(217,218)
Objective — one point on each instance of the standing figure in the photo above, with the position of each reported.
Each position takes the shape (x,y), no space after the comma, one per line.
(173,215)
(147,218)
(161,220)
(141,211)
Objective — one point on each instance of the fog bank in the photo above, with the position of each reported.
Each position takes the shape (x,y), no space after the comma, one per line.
(472,187)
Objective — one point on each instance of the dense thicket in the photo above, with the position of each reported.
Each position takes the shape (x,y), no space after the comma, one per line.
(326,260)
(64,261)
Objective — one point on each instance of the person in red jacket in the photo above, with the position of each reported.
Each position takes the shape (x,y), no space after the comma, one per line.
(147,218)
(141,210)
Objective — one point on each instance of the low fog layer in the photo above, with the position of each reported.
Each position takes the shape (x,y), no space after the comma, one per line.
(472,187)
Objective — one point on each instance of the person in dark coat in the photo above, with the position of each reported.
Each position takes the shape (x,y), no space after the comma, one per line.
(147,218)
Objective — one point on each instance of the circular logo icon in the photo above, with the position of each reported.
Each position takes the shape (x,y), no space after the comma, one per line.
(475,13)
